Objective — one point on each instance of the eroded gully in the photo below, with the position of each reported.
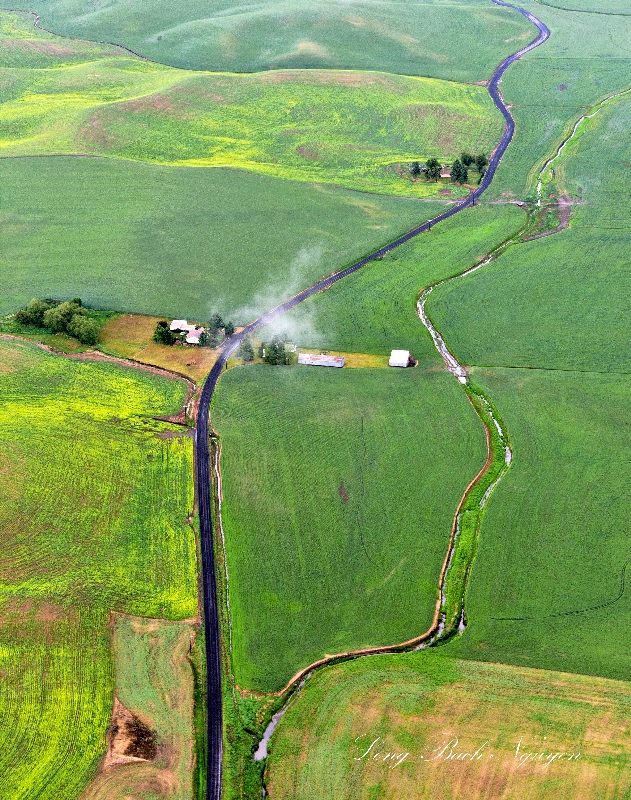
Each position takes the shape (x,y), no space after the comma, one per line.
(449,613)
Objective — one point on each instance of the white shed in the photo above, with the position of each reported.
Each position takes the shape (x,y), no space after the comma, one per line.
(400,358)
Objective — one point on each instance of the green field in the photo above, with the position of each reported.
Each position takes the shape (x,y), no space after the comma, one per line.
(179,242)
(354,129)
(607,7)
(374,311)
(560,302)
(340,488)
(445,40)
(401,726)
(94,500)
(554,539)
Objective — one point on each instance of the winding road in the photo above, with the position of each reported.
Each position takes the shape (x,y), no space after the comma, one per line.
(202,450)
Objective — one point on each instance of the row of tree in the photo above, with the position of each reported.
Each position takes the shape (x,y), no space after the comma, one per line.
(459,172)
(68,317)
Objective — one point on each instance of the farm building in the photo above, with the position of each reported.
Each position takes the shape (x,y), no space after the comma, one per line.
(192,337)
(313,360)
(179,325)
(445,172)
(401,358)
(192,331)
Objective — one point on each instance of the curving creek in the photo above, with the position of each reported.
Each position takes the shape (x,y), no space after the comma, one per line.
(450,617)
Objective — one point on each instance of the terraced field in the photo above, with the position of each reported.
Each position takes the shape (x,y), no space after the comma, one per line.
(446,40)
(339,492)
(95,498)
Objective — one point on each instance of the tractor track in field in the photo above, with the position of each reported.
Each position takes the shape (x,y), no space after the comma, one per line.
(575,611)
(202,449)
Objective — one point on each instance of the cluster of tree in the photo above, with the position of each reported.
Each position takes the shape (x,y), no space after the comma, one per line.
(481,161)
(218,329)
(459,172)
(460,169)
(274,352)
(431,169)
(68,317)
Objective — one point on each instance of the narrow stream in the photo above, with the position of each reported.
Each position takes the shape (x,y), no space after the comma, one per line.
(547,166)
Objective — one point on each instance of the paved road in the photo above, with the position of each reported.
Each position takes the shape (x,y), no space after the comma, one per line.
(202,454)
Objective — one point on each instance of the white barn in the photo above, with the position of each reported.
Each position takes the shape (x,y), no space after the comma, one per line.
(400,358)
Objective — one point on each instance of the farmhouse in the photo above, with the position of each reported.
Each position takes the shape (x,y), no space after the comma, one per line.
(192,337)
(192,331)
(401,358)
(445,172)
(312,360)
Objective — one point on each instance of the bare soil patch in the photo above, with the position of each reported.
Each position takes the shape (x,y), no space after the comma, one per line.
(129,739)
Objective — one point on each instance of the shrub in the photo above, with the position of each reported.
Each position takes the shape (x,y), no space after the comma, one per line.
(84,329)
(246,351)
(58,317)
(33,314)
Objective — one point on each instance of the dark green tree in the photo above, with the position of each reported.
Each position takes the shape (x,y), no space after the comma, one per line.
(415,169)
(33,314)
(246,350)
(459,172)
(229,328)
(467,159)
(58,317)
(275,351)
(84,329)
(432,169)
(481,162)
(216,323)
(162,334)
(204,339)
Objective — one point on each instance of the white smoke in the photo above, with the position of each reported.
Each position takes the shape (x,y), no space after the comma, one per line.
(299,324)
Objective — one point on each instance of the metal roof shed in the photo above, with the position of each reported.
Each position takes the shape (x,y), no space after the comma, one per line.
(312,360)
(400,358)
